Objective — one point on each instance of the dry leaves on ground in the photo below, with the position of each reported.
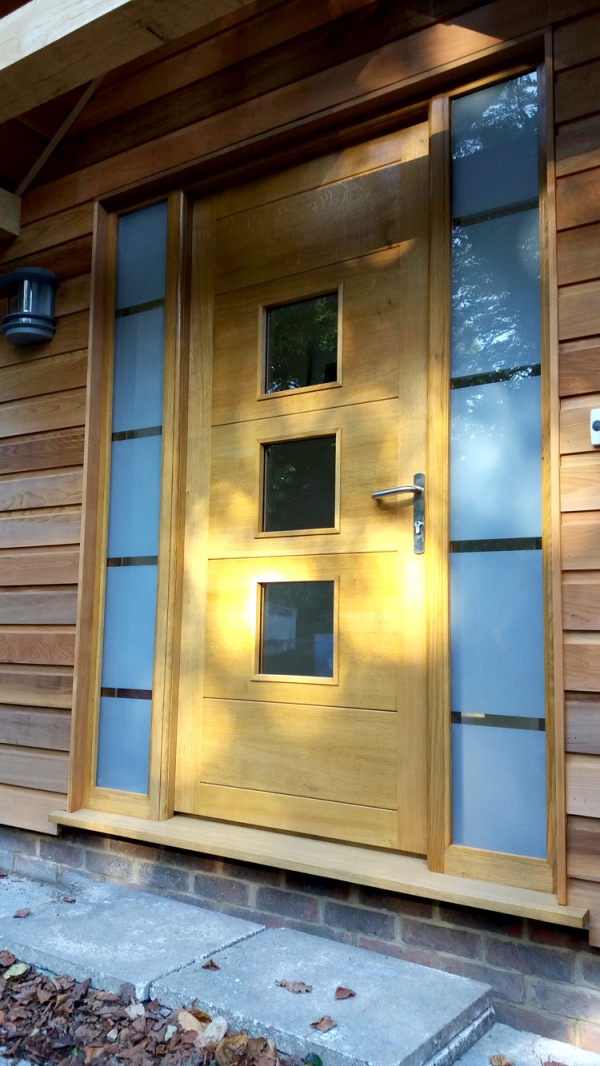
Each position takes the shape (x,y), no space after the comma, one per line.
(210,965)
(54,1021)
(324,1024)
(343,993)
(295,986)
(500,1060)
(22,913)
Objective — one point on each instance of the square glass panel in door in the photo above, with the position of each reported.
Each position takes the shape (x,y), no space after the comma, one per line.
(299,484)
(301,344)
(297,628)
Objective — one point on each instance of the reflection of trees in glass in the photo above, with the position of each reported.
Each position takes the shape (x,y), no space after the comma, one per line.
(297,628)
(300,484)
(495,294)
(302,343)
(483,120)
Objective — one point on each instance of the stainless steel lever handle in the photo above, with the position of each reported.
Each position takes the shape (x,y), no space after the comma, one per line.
(418,493)
(415,489)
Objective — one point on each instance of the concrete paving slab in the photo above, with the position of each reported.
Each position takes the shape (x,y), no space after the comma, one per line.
(401,1015)
(115,935)
(525,1049)
(17,893)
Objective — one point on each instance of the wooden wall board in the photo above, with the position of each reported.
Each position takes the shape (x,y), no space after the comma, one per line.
(582,662)
(48,488)
(575,423)
(583,785)
(38,529)
(42,376)
(579,307)
(580,536)
(32,768)
(54,411)
(579,366)
(580,482)
(579,254)
(56,229)
(581,599)
(41,451)
(576,42)
(583,723)
(36,686)
(67,260)
(578,199)
(577,92)
(35,727)
(29,808)
(73,294)
(41,566)
(71,334)
(35,644)
(49,605)
(578,145)
(583,837)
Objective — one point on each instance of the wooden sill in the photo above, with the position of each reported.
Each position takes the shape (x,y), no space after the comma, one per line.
(343,862)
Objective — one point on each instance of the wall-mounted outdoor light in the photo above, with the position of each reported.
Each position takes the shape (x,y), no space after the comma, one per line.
(30,318)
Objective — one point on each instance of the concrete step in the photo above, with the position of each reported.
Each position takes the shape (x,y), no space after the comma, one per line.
(526,1049)
(401,1015)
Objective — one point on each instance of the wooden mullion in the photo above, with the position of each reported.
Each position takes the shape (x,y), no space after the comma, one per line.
(437,532)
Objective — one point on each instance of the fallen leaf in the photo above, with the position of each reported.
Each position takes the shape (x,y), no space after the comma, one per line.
(69,899)
(7,958)
(343,993)
(294,986)
(135,1010)
(112,1035)
(22,913)
(90,1053)
(210,965)
(326,1023)
(15,971)
(312,1060)
(500,1060)
(231,1049)
(187,1021)
(169,1032)
(213,1034)
(3,875)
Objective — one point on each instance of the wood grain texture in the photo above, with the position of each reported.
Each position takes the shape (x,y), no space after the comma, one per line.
(48,232)
(583,724)
(42,451)
(41,376)
(578,254)
(583,785)
(57,411)
(577,92)
(29,808)
(578,145)
(43,606)
(578,199)
(40,566)
(582,662)
(586,894)
(28,768)
(72,295)
(575,423)
(36,686)
(579,310)
(67,260)
(498,868)
(576,42)
(71,334)
(580,482)
(40,528)
(581,599)
(583,842)
(33,727)
(19,492)
(580,536)
(579,367)
(46,645)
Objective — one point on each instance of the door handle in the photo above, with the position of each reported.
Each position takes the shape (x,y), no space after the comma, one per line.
(418,493)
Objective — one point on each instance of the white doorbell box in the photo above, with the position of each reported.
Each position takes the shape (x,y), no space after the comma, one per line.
(595,426)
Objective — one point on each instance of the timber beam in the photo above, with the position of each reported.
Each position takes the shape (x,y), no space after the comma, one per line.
(10,215)
(50,46)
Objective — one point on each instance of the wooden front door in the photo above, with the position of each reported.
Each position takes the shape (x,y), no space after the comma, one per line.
(303,660)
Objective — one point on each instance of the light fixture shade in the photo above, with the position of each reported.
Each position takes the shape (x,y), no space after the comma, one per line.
(30,318)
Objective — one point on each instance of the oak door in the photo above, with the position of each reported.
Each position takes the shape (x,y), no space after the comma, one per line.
(302,704)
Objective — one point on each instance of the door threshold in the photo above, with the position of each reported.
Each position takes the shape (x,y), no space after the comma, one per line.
(376,868)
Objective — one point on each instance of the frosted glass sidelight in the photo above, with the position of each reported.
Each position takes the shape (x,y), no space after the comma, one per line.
(496,633)
(137,390)
(141,260)
(495,460)
(499,789)
(496,294)
(134,497)
(494,147)
(129,616)
(123,744)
